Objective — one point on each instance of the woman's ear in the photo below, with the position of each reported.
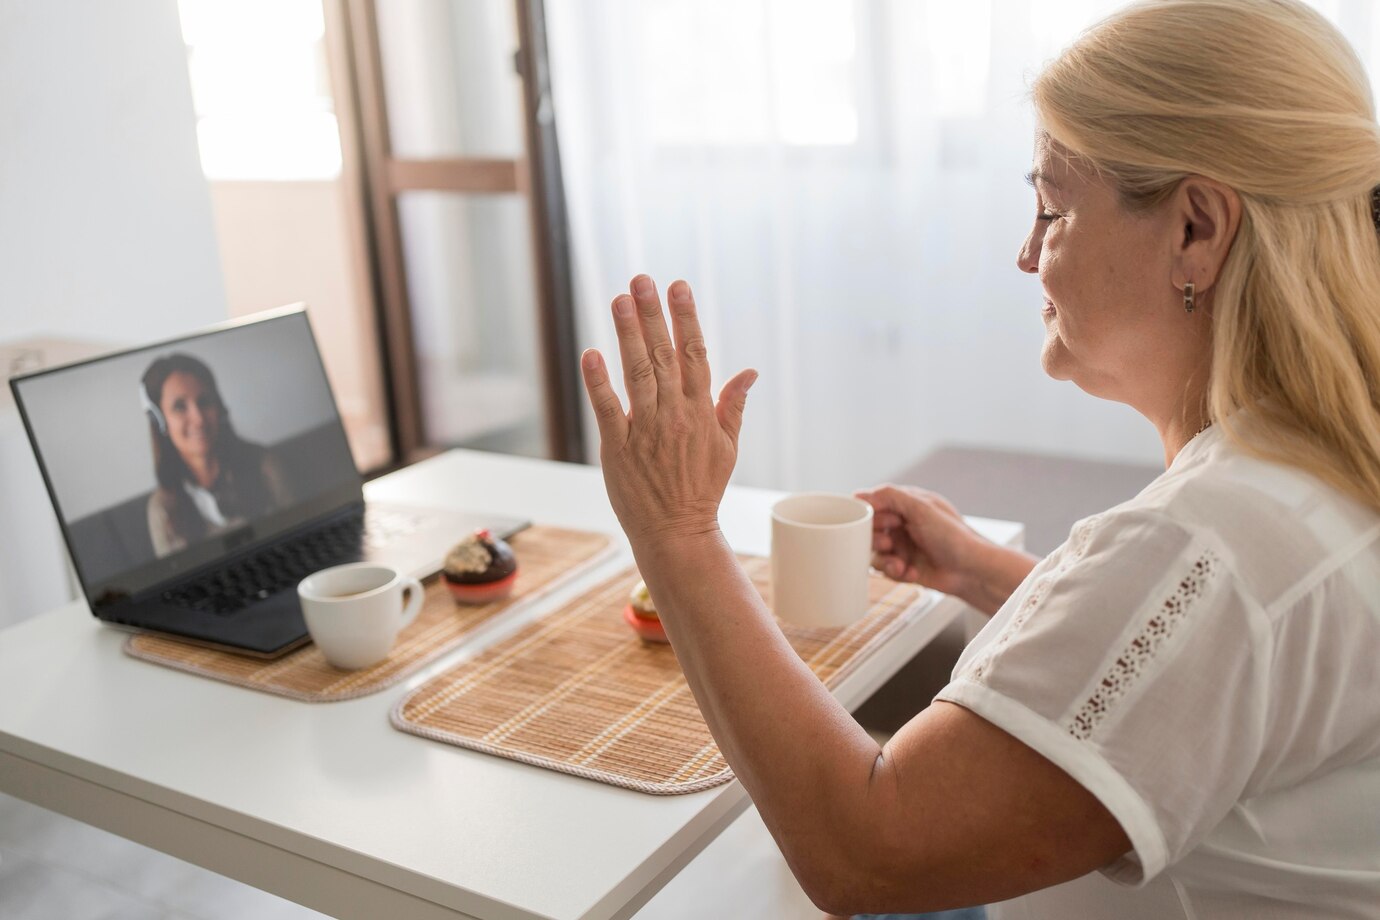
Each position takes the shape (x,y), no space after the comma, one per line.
(1207,214)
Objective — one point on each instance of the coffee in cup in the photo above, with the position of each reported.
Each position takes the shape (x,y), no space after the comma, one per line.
(821,552)
(355,611)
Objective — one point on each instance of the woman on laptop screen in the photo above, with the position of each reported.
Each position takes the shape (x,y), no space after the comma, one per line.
(209,478)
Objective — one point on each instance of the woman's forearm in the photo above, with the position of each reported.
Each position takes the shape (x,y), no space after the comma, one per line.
(996,573)
(802,757)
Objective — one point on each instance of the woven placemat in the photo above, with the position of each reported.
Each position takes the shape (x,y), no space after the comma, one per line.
(577,691)
(546,556)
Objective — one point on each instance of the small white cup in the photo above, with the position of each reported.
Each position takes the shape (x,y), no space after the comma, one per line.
(355,611)
(821,550)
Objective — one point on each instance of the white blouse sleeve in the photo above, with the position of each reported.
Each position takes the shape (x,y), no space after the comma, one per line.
(1131,659)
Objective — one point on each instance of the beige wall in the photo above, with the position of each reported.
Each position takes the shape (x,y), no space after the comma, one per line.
(283,242)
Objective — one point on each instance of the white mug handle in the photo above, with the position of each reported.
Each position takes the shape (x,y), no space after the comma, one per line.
(414,604)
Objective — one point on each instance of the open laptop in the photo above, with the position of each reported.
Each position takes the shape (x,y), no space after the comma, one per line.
(198,480)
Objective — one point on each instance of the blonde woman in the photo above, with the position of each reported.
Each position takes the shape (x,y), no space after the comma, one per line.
(1177,713)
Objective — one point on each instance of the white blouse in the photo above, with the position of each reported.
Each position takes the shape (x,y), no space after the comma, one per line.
(1205,659)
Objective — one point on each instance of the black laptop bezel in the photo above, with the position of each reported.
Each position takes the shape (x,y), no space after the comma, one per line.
(110,597)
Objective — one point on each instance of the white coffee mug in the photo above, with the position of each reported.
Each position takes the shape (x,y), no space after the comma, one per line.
(821,550)
(355,611)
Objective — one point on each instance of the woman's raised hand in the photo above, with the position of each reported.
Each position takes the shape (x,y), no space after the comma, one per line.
(667,459)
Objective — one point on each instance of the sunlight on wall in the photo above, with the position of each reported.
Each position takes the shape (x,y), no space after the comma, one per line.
(261,89)
(959,45)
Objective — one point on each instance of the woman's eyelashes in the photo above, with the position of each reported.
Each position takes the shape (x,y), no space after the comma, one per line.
(182,406)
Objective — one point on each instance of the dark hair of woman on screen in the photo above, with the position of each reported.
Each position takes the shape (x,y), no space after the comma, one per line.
(209,478)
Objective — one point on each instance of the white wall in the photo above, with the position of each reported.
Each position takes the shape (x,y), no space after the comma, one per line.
(105,220)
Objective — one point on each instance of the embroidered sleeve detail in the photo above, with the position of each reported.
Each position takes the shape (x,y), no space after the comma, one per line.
(1136,657)
(1079,539)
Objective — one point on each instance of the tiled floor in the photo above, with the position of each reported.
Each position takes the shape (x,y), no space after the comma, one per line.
(54,868)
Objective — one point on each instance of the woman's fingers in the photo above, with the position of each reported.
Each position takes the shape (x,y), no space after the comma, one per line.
(638,373)
(886,520)
(657,371)
(657,338)
(894,567)
(893,506)
(886,498)
(608,410)
(694,357)
(732,400)
(888,513)
(888,564)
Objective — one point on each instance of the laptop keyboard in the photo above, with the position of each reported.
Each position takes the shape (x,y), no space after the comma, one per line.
(282,566)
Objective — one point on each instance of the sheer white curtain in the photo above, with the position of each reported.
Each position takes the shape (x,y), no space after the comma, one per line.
(841,183)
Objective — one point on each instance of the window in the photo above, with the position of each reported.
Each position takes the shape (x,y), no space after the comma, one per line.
(729,73)
(261,89)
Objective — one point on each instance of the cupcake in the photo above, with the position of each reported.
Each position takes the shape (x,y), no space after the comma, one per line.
(640,614)
(480,568)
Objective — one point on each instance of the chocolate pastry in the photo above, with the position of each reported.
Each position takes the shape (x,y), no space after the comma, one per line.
(480,568)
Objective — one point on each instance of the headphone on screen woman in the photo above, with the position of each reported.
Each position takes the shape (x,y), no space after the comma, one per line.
(155,414)
(146,398)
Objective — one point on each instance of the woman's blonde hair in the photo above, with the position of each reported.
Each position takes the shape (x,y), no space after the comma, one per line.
(1268,98)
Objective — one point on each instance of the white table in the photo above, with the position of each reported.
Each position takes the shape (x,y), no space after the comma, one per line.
(329,806)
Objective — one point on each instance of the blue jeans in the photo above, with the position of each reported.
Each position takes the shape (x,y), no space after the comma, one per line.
(963,913)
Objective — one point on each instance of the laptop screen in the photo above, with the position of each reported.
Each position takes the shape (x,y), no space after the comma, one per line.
(163,459)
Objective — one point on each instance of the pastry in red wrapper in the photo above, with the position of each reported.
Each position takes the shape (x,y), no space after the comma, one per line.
(480,568)
(640,613)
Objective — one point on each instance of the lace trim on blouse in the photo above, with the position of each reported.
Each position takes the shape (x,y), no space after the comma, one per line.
(1136,656)
(1079,539)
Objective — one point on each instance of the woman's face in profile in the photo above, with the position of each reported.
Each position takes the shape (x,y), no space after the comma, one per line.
(193,414)
(1113,320)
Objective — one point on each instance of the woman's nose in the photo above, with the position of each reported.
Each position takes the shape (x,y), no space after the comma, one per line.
(1028,256)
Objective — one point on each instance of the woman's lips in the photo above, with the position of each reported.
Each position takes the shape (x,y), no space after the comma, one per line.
(1049,308)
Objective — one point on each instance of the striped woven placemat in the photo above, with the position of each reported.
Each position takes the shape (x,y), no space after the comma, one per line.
(546,556)
(578,692)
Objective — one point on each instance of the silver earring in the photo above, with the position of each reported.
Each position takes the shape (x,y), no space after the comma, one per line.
(1188,296)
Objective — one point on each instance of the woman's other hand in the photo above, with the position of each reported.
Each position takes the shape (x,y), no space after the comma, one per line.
(667,459)
(917,536)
